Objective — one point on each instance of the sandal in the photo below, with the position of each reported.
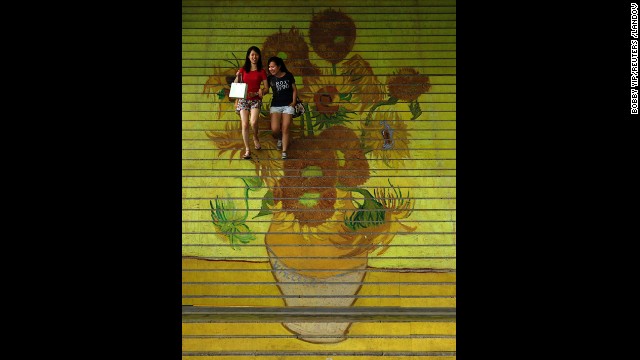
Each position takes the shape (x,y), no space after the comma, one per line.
(257,146)
(247,155)
(284,155)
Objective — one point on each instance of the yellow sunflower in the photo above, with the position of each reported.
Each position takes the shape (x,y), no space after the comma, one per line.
(352,165)
(229,139)
(396,206)
(349,245)
(218,86)
(267,161)
(354,241)
(307,189)
(317,166)
(332,34)
(329,99)
(408,84)
(293,49)
(322,239)
(367,89)
(386,139)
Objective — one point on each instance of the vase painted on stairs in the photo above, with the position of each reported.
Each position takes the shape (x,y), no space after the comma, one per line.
(311,271)
(324,264)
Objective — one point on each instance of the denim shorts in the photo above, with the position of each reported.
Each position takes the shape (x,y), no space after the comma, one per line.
(282,109)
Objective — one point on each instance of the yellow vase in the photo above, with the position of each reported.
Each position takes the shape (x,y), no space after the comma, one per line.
(312,271)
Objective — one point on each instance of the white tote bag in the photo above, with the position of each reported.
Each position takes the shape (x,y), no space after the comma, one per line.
(238,90)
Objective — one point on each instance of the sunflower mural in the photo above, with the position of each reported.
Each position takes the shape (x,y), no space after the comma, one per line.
(336,201)
(293,49)
(332,34)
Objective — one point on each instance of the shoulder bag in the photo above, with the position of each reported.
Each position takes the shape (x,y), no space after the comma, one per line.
(298,108)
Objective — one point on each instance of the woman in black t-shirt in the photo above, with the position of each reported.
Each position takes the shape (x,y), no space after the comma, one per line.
(283,84)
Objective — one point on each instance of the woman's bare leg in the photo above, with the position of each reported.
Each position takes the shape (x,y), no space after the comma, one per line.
(255,115)
(244,120)
(275,126)
(286,121)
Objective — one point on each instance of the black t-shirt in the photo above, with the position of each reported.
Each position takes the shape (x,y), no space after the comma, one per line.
(282,89)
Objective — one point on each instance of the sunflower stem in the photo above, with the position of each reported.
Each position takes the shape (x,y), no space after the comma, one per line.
(391,101)
(246,202)
(307,113)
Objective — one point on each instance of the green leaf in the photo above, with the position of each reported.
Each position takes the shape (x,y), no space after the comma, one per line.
(370,213)
(228,224)
(266,201)
(253,183)
(346,97)
(325,121)
(243,233)
(414,106)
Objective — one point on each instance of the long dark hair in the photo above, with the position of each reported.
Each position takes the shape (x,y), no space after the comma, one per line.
(247,62)
(279,62)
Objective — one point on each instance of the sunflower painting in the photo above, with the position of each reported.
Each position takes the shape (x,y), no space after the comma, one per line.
(369,182)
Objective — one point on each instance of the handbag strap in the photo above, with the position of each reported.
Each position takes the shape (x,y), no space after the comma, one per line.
(249,94)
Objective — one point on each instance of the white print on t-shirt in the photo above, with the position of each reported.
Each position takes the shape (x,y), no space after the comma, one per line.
(281,85)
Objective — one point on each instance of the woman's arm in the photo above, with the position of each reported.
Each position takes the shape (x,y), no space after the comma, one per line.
(295,94)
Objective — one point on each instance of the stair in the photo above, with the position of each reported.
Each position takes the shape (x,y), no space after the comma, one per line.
(347,249)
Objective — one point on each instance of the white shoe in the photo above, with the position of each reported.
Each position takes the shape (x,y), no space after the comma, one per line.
(279,145)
